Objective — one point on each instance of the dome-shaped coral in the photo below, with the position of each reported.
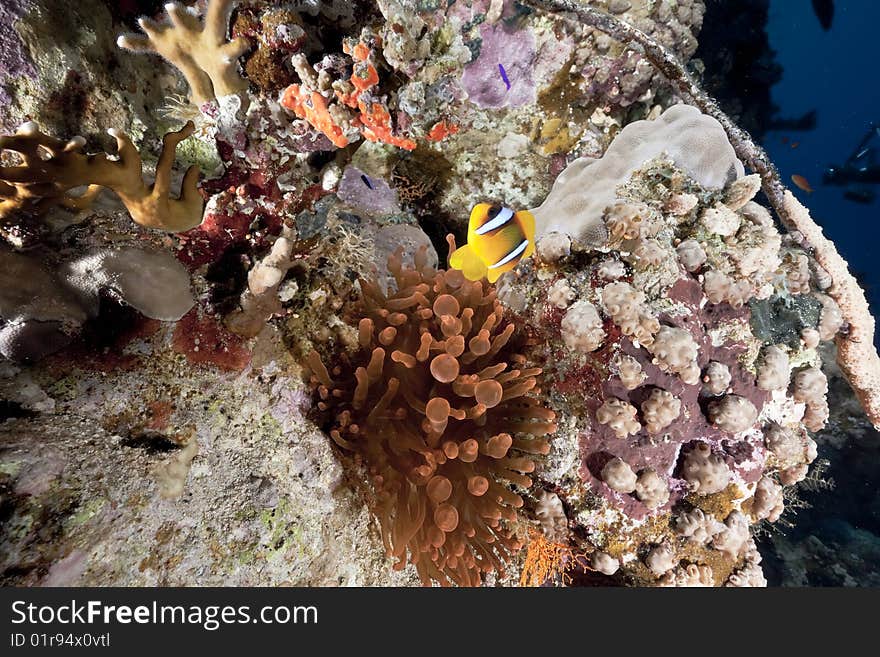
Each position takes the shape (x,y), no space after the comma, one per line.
(439,407)
(620,416)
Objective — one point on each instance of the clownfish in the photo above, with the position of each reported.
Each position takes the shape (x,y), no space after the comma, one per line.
(498,238)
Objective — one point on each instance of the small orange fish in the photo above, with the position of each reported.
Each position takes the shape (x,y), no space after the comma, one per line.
(795,144)
(498,238)
(802,183)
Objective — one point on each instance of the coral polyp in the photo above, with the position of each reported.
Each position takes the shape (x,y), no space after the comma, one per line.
(442,410)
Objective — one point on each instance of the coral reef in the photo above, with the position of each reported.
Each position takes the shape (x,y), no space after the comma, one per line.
(280,385)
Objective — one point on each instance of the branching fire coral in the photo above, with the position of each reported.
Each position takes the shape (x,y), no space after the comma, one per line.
(51,168)
(443,413)
(201,52)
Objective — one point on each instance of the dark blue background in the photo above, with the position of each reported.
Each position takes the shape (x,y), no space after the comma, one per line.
(834,72)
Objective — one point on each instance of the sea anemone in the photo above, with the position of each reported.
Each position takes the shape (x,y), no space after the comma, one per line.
(442,411)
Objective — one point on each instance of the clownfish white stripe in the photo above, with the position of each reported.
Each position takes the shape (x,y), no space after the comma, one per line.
(510,256)
(505,215)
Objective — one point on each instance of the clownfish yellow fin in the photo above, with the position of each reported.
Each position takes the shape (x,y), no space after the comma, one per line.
(465,260)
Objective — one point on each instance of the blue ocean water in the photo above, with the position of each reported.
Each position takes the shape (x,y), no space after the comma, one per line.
(833,72)
(836,539)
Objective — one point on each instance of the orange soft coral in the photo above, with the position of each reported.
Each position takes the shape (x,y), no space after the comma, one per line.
(440,409)
(312,106)
(326,114)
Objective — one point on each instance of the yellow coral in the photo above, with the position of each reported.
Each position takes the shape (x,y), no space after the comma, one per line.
(200,52)
(51,168)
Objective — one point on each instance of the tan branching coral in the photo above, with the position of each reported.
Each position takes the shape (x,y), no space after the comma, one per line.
(201,52)
(52,168)
(620,416)
(440,409)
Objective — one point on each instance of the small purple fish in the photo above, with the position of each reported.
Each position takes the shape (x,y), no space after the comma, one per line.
(504,75)
(367,181)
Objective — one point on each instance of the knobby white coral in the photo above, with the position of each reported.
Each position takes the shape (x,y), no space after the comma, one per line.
(720,220)
(697,525)
(768,501)
(561,294)
(773,369)
(620,416)
(630,371)
(659,410)
(674,350)
(810,386)
(716,378)
(734,535)
(651,489)
(691,255)
(706,472)
(619,476)
(661,559)
(627,309)
(732,413)
(582,327)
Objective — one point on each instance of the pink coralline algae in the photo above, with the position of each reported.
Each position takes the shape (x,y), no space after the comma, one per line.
(501,76)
